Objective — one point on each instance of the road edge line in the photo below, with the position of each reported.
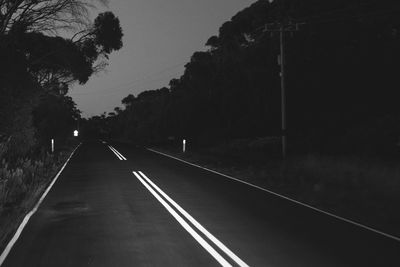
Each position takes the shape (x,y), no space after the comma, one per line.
(283,197)
(21,227)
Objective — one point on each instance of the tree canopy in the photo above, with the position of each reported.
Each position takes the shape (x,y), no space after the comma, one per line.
(341,68)
(39,63)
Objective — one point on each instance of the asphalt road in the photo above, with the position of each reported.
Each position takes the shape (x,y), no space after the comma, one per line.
(103,212)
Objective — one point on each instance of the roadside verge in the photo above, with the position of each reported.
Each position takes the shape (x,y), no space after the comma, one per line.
(25,214)
(253,183)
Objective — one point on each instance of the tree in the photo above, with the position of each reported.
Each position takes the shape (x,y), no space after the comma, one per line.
(107,32)
(128,101)
(47,16)
(341,77)
(117,110)
(55,117)
(58,61)
(37,66)
(53,60)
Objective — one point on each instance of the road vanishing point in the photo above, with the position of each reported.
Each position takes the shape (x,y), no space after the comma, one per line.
(120,205)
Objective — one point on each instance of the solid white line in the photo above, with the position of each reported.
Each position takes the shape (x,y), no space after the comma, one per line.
(118,153)
(119,157)
(284,197)
(197,224)
(29,215)
(185,225)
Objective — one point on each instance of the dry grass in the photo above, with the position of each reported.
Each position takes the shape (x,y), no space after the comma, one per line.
(21,186)
(364,190)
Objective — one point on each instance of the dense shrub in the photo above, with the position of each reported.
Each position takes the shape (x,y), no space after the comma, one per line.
(24,175)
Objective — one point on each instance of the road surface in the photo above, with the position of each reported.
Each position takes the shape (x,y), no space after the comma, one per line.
(151,210)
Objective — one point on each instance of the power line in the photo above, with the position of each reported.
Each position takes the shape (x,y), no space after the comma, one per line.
(125,86)
(115,91)
(328,12)
(319,18)
(343,17)
(291,26)
(358,16)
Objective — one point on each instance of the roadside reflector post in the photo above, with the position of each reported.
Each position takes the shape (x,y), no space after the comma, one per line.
(184,145)
(52,145)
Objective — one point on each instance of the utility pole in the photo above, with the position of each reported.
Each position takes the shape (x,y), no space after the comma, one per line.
(282,28)
(283,92)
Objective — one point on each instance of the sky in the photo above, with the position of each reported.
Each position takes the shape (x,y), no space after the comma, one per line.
(159,38)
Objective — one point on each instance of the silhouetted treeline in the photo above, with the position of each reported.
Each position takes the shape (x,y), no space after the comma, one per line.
(342,69)
(38,65)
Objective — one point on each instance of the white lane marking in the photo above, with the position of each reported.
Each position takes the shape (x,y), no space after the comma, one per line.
(284,197)
(184,224)
(197,224)
(29,215)
(119,157)
(115,152)
(122,156)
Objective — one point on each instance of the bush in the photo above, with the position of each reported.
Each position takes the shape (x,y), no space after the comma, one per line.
(22,181)
(25,176)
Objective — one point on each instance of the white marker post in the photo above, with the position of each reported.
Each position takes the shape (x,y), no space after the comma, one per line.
(52,145)
(183,145)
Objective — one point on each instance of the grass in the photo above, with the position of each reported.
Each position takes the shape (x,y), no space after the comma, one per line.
(21,186)
(361,189)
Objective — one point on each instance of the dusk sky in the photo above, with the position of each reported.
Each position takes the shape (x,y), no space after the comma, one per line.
(159,38)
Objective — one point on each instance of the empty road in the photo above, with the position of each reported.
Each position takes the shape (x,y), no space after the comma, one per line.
(118,205)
